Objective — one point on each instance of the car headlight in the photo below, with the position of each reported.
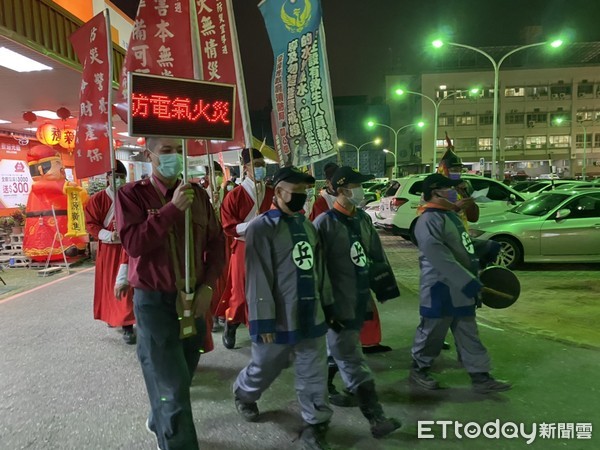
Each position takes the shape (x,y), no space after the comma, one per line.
(475,233)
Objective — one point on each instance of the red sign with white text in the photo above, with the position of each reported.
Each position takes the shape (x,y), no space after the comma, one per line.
(92,47)
(220,61)
(160,43)
(163,106)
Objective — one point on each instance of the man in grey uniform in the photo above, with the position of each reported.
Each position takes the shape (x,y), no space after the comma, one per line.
(286,285)
(449,289)
(352,248)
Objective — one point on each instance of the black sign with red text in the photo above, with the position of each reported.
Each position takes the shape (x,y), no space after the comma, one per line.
(174,107)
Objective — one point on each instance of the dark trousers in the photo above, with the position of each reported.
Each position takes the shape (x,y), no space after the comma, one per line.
(168,364)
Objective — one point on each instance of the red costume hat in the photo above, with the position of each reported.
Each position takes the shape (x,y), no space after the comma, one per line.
(40,154)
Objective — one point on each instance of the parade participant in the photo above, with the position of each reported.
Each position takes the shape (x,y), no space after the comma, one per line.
(449,288)
(285,284)
(113,302)
(326,197)
(46,201)
(239,207)
(352,251)
(151,224)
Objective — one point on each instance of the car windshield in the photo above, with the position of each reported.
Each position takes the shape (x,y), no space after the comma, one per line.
(535,187)
(540,205)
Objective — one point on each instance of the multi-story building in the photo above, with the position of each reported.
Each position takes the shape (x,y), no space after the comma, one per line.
(548,117)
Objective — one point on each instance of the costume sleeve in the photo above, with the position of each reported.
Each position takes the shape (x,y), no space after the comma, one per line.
(260,277)
(430,235)
(93,222)
(376,252)
(230,214)
(214,255)
(324,285)
(142,233)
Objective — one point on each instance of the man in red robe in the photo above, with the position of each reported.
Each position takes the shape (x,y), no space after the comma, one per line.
(111,260)
(239,207)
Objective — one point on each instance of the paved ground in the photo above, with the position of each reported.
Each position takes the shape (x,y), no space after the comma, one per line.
(69,382)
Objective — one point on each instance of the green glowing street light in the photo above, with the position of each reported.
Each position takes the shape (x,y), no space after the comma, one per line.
(372,124)
(341,143)
(496,64)
(436,105)
(560,120)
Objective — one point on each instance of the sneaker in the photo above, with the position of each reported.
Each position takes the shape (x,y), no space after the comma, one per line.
(491,385)
(150,430)
(422,378)
(249,411)
(129,337)
(383,426)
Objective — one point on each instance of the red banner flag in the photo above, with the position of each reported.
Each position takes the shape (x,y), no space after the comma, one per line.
(221,62)
(160,44)
(92,46)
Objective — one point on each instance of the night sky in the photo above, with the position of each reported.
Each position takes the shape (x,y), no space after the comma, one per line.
(367,37)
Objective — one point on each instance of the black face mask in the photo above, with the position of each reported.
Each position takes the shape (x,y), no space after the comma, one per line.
(297,202)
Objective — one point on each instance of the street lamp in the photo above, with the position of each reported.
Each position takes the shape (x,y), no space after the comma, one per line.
(385,150)
(375,141)
(439,43)
(372,124)
(436,107)
(560,120)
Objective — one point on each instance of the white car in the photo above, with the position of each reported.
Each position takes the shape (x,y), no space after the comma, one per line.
(398,214)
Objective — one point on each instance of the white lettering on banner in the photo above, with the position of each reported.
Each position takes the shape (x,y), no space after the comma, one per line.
(90,135)
(165,57)
(103,106)
(139,30)
(161,7)
(99,79)
(208,27)
(219,8)
(163,31)
(142,4)
(202,6)
(83,85)
(140,53)
(210,49)
(94,56)
(94,155)
(93,34)
(213,70)
(86,108)
(166,73)
(178,7)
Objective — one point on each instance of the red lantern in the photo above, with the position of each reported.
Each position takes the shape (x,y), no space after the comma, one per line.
(67,139)
(29,117)
(48,134)
(63,113)
(141,141)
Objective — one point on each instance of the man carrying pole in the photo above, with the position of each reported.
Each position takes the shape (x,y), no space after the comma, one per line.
(151,217)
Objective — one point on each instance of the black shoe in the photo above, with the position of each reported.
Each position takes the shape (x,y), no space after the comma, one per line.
(229,334)
(129,337)
(383,426)
(445,346)
(249,411)
(376,349)
(422,378)
(343,400)
(313,437)
(149,429)
(486,384)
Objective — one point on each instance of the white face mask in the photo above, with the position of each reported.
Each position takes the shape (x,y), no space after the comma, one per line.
(358,195)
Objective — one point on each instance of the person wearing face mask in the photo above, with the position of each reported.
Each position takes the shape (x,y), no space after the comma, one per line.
(449,288)
(151,222)
(286,290)
(113,298)
(243,204)
(356,264)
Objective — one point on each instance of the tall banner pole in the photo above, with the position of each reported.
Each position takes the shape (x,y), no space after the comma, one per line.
(109,122)
(188,215)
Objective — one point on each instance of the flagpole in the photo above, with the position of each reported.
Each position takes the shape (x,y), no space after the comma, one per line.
(188,213)
(109,123)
